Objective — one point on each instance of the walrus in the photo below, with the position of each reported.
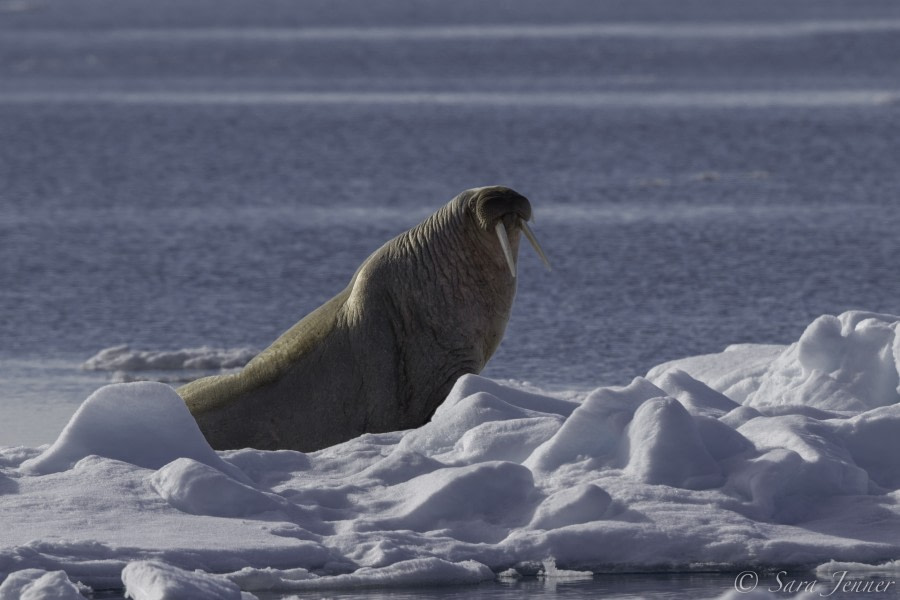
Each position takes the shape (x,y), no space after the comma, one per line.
(427,307)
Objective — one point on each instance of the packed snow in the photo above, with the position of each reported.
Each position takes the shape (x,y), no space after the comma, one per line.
(756,457)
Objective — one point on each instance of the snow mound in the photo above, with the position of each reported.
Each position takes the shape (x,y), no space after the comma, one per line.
(759,456)
(583,504)
(199,489)
(37,584)
(145,424)
(848,362)
(124,358)
(666,447)
(465,500)
(155,580)
(454,419)
(596,430)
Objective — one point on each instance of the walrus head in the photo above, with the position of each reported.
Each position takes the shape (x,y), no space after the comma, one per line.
(501,211)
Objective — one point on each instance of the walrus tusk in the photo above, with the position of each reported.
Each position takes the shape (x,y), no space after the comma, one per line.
(507,251)
(537,247)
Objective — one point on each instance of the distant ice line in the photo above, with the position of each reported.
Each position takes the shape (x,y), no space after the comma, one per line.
(576,99)
(499,32)
(124,358)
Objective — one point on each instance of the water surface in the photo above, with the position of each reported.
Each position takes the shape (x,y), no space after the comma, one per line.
(206,174)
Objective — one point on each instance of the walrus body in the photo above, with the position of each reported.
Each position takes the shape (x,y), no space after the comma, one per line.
(426,308)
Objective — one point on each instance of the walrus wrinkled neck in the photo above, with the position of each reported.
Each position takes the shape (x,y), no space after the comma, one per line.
(438,302)
(456,289)
(443,228)
(450,248)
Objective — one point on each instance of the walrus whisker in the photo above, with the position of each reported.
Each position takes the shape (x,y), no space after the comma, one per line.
(507,251)
(534,243)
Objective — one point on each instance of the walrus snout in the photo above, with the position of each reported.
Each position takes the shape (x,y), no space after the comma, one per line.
(494,203)
(502,209)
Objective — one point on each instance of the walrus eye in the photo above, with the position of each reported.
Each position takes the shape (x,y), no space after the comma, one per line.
(507,251)
(537,247)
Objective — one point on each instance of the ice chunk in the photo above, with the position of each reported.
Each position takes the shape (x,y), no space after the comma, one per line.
(855,569)
(145,424)
(37,584)
(123,358)
(155,580)
(509,574)
(413,572)
(549,571)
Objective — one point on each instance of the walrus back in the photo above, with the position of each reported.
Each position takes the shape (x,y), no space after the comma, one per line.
(218,392)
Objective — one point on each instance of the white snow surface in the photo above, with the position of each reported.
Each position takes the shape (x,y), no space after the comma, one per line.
(760,456)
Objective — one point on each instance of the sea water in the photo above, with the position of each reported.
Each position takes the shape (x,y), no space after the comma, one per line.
(181,176)
(668,586)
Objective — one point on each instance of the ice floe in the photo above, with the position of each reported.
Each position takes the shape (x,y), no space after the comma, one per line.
(760,457)
(124,358)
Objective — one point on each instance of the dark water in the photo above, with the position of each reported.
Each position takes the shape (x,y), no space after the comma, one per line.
(205,173)
(674,586)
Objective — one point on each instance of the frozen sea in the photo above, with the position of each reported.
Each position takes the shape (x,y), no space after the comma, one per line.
(185,174)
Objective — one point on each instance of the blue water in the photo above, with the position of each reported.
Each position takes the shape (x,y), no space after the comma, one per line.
(206,173)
